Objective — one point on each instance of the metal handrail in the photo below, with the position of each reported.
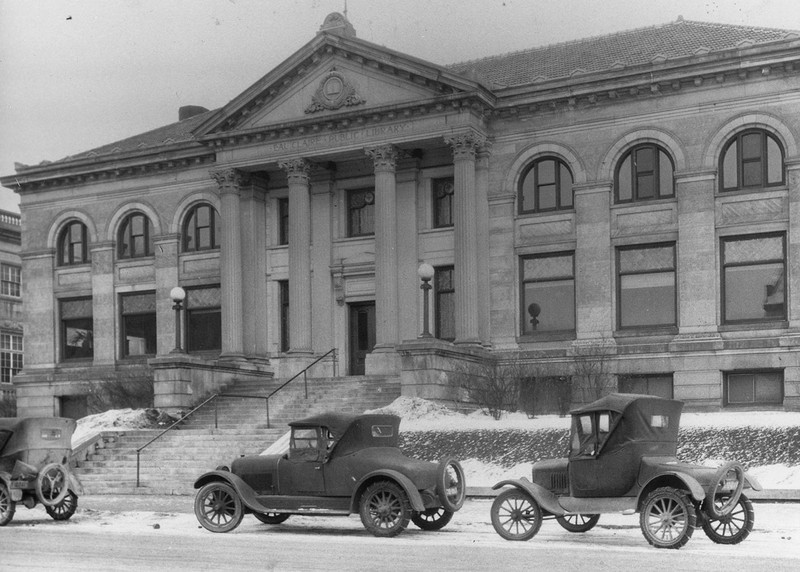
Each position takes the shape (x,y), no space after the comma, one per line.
(304,373)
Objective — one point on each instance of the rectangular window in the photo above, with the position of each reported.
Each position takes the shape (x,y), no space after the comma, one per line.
(754,387)
(361,212)
(203,318)
(11,280)
(283,221)
(10,356)
(548,293)
(754,278)
(659,385)
(444,303)
(646,286)
(77,329)
(283,286)
(138,323)
(443,190)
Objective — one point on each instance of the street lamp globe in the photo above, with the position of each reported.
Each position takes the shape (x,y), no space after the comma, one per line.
(425,271)
(177,294)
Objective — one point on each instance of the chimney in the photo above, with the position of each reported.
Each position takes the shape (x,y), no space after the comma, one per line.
(187,111)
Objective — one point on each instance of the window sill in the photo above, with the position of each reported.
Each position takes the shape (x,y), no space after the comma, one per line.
(750,326)
(646,332)
(539,337)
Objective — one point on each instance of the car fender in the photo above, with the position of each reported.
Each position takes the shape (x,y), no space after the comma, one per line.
(546,499)
(693,485)
(752,482)
(245,491)
(74,484)
(408,486)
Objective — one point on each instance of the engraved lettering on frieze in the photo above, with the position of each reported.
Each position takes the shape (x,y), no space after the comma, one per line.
(333,92)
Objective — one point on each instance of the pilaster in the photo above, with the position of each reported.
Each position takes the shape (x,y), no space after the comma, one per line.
(793,270)
(103,306)
(167,277)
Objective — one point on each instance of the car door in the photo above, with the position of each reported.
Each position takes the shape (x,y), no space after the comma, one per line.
(301,472)
(586,467)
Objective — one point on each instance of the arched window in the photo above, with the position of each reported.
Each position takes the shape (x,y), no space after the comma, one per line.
(201,229)
(645,172)
(546,186)
(73,244)
(751,159)
(135,239)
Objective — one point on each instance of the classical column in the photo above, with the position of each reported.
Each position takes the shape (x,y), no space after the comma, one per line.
(482,208)
(254,266)
(230,181)
(385,159)
(299,254)
(465,215)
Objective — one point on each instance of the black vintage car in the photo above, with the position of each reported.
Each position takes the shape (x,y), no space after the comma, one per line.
(336,465)
(622,458)
(34,466)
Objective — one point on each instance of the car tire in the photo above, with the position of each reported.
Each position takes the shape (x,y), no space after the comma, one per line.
(516,515)
(65,509)
(432,518)
(578,522)
(734,526)
(271,517)
(450,485)
(7,506)
(218,507)
(52,484)
(715,509)
(384,509)
(667,518)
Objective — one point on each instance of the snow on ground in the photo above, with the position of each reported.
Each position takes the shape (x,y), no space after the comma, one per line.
(422,415)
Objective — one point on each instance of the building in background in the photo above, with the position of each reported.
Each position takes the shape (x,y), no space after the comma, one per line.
(629,202)
(11,318)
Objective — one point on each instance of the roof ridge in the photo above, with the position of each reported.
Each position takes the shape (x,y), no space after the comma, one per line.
(588,39)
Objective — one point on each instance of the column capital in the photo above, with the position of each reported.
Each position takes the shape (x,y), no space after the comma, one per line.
(297,169)
(385,157)
(229,180)
(467,144)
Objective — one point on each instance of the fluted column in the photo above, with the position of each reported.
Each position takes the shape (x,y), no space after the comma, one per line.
(465,215)
(299,254)
(230,181)
(386,328)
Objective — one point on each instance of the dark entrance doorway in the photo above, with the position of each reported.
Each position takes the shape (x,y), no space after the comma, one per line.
(362,335)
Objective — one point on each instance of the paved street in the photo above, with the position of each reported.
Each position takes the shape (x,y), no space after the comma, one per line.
(145,533)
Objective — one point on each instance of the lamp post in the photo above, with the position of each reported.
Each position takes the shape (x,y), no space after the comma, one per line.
(425,272)
(178,295)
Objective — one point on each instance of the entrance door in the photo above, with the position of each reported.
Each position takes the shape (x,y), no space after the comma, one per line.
(362,335)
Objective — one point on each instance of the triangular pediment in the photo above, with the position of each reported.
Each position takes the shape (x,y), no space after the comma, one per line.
(331,76)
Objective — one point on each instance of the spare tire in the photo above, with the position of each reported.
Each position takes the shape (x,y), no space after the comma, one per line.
(451,487)
(726,503)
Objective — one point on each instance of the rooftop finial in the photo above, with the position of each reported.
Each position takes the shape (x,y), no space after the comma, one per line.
(336,23)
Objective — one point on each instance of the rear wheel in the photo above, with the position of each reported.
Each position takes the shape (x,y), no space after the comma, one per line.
(384,509)
(65,509)
(432,518)
(218,508)
(7,506)
(733,527)
(515,515)
(271,517)
(578,522)
(668,518)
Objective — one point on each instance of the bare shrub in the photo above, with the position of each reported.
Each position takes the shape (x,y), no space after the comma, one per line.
(491,386)
(128,390)
(592,368)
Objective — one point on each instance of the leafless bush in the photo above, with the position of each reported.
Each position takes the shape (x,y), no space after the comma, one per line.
(544,394)
(126,391)
(592,368)
(491,386)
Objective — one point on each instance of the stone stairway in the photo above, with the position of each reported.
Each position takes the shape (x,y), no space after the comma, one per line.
(172,463)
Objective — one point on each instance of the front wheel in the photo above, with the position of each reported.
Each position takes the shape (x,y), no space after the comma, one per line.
(668,518)
(271,517)
(384,509)
(578,522)
(65,509)
(515,515)
(432,518)
(218,508)
(51,484)
(7,506)
(733,527)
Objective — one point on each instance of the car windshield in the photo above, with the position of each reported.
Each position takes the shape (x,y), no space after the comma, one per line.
(589,432)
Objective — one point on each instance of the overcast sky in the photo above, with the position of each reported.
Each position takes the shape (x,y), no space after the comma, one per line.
(77,74)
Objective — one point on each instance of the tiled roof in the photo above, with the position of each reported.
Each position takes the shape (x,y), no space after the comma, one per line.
(624,49)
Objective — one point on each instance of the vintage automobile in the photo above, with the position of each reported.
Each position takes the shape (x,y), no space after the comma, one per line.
(336,465)
(34,466)
(622,458)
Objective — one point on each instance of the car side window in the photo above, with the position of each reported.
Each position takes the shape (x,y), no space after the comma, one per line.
(305,444)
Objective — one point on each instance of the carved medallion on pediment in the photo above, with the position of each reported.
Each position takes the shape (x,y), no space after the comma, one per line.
(334,91)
